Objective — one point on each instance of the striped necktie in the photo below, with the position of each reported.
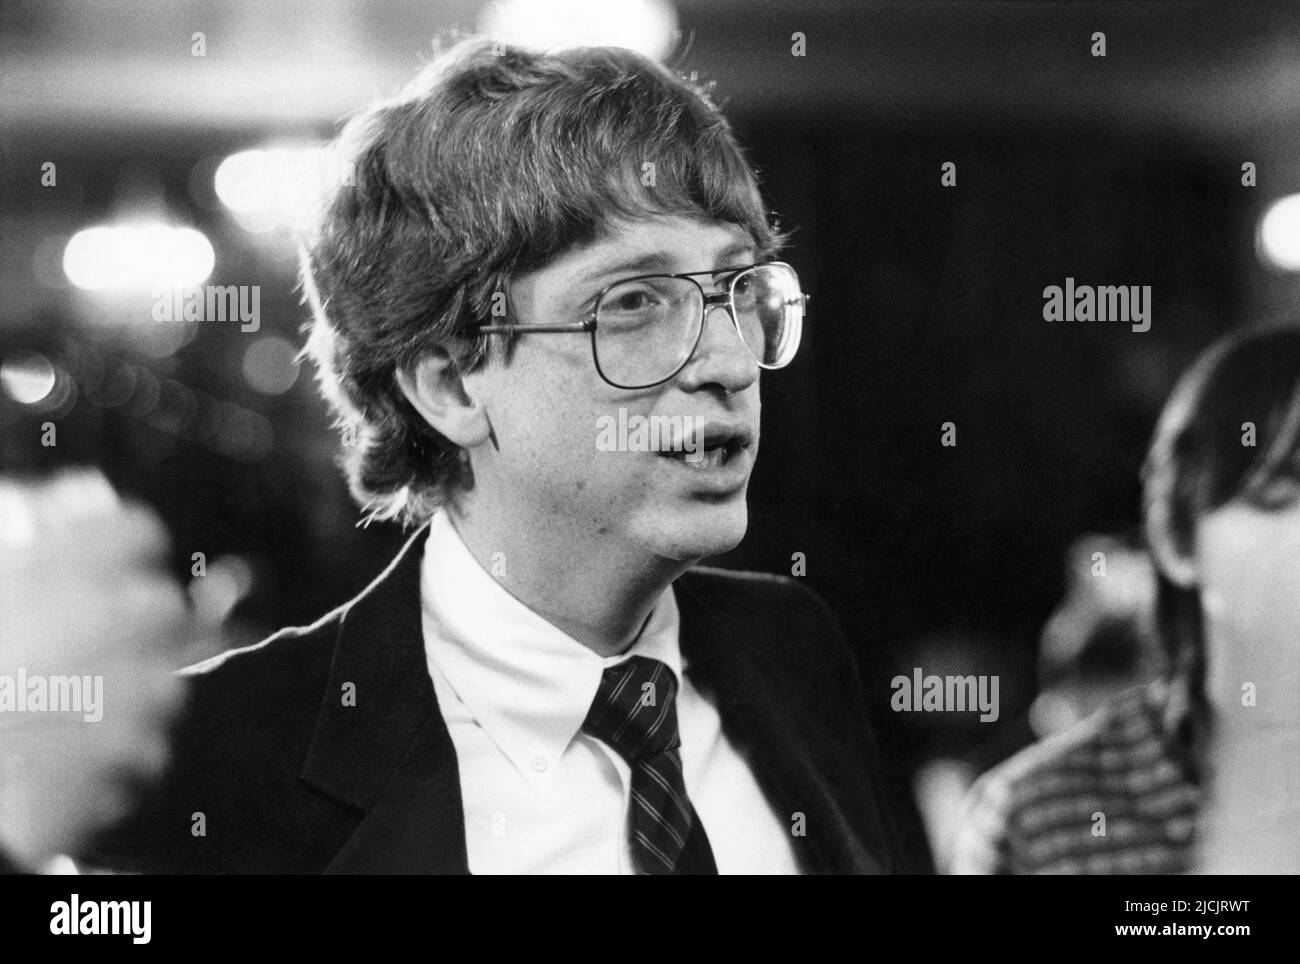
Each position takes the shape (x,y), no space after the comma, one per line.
(635,713)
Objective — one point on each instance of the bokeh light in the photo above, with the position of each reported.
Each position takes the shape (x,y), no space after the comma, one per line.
(132,256)
(1279,234)
(273,187)
(27,378)
(646,26)
(270,366)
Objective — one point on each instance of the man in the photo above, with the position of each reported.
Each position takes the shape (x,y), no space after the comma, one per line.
(542,301)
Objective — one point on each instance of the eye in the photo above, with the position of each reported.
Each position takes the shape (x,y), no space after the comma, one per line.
(645,299)
(724,278)
(631,299)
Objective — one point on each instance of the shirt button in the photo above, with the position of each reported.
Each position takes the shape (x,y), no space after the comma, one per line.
(540,763)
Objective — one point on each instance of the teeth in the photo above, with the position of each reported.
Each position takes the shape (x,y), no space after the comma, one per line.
(710,458)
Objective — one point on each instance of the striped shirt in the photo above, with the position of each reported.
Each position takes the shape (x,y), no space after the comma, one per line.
(1111,795)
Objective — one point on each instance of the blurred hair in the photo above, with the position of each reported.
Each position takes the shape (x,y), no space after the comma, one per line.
(1198,462)
(493,162)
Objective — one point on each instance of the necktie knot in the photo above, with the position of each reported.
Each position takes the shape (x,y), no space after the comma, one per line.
(635,709)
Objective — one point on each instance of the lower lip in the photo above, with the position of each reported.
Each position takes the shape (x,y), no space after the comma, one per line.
(721,479)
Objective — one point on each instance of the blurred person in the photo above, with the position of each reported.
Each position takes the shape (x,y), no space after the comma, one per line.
(90,626)
(1200,770)
(1100,641)
(533,249)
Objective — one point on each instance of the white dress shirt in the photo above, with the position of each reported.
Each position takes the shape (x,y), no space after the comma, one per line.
(541,796)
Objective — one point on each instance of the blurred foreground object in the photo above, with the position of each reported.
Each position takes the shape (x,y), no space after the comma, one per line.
(91,628)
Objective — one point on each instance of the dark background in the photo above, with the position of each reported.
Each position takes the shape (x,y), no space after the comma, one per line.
(927,301)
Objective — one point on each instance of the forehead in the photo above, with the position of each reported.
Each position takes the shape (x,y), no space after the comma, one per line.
(668,229)
(660,243)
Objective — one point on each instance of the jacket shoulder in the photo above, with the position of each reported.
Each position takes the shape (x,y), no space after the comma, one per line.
(235,753)
(785,612)
(283,650)
(764,594)
(286,652)
(780,626)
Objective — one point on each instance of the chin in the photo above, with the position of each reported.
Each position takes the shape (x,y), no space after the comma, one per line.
(701,530)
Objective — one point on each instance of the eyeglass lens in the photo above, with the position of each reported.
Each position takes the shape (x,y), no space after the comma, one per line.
(647,328)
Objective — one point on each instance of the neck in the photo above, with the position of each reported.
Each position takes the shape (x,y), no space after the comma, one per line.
(1252,808)
(597,593)
(1252,676)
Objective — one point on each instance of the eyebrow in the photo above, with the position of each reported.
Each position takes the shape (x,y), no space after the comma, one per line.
(662,261)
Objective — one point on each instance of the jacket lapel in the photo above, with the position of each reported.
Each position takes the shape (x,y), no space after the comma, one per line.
(389,755)
(757,717)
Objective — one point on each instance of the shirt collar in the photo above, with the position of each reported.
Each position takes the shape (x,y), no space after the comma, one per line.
(527,683)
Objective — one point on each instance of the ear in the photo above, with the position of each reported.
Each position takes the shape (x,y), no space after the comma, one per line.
(1175,561)
(434,387)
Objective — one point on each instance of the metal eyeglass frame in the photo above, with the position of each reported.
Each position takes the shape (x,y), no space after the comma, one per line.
(724,298)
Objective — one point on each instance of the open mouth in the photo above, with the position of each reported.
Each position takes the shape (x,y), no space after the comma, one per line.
(718,445)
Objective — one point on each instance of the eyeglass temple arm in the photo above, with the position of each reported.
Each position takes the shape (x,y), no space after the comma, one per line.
(587,325)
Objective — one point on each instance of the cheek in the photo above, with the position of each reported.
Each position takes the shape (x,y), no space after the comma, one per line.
(1249,564)
(546,415)
(531,400)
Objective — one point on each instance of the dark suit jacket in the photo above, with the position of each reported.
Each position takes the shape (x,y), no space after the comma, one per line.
(288,779)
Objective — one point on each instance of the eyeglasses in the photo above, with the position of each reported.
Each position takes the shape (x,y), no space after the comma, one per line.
(645,329)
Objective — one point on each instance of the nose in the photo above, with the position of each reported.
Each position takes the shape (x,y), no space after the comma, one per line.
(721,358)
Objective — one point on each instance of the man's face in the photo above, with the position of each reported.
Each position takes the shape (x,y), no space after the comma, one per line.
(549,406)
